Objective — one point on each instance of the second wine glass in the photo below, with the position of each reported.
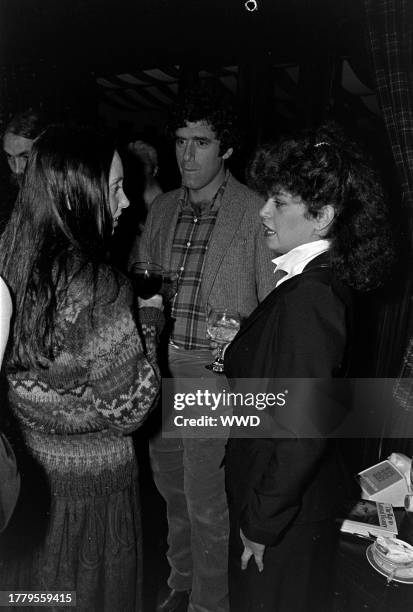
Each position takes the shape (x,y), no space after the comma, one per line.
(222,327)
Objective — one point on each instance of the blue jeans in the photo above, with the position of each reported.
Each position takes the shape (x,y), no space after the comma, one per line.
(189,475)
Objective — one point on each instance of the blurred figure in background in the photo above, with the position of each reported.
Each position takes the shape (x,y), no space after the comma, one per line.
(18,138)
(149,158)
(80,380)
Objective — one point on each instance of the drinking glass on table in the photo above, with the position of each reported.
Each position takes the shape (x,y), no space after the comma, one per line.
(222,327)
(147,278)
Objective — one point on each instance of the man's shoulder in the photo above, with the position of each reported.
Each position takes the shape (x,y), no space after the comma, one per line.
(163,208)
(167,198)
(238,190)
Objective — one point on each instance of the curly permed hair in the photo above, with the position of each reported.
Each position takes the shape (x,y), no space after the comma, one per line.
(323,166)
(211,107)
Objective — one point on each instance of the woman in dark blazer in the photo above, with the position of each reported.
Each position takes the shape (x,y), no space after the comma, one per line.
(325,220)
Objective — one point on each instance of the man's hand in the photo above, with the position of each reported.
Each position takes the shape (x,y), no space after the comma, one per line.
(252,549)
(214,349)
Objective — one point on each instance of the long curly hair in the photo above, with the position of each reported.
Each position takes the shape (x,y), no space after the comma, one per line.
(211,107)
(61,223)
(322,166)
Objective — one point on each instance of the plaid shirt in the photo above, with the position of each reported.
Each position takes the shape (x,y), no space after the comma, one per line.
(192,234)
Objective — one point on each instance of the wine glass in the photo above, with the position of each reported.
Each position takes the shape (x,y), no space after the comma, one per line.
(222,327)
(147,278)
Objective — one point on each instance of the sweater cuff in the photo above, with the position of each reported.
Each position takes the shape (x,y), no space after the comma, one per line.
(150,316)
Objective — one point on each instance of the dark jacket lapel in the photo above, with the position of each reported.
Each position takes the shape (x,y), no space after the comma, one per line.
(316,264)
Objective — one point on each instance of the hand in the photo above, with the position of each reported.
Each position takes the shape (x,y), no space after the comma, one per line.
(214,348)
(156,301)
(252,549)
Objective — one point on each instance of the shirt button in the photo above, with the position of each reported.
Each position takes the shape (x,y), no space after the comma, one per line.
(188,244)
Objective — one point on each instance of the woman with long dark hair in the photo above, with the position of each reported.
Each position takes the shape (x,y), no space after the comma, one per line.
(325,219)
(79,379)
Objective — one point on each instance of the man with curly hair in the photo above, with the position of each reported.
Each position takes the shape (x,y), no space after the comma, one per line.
(207,232)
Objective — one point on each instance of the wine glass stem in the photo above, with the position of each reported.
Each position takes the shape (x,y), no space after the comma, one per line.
(220,348)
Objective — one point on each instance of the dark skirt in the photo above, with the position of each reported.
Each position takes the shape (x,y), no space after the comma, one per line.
(77,525)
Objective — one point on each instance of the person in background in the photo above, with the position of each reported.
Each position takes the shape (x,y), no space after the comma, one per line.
(9,477)
(149,158)
(208,233)
(80,381)
(326,222)
(18,138)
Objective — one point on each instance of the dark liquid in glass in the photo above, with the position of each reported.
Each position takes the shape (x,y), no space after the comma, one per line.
(147,285)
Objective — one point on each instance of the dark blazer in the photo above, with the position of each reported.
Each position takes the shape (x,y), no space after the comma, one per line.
(300,330)
(238,272)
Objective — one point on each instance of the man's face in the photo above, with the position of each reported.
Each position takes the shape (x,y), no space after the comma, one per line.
(198,156)
(17,149)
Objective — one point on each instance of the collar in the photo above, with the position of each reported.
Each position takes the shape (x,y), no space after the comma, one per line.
(185,202)
(296,260)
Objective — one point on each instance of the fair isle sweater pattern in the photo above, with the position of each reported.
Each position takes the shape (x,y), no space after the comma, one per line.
(100,378)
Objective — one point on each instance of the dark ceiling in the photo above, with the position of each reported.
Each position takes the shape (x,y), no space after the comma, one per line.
(114,35)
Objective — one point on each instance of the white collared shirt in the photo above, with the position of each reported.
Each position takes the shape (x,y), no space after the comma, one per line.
(295,260)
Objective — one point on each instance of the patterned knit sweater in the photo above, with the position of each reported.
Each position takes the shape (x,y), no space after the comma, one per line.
(100,386)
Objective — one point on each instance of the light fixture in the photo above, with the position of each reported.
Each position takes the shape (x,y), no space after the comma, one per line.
(251,5)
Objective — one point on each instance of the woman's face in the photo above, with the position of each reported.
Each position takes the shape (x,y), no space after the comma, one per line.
(117,198)
(286,225)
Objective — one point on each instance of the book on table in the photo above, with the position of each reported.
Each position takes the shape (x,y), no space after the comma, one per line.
(384,482)
(369,518)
